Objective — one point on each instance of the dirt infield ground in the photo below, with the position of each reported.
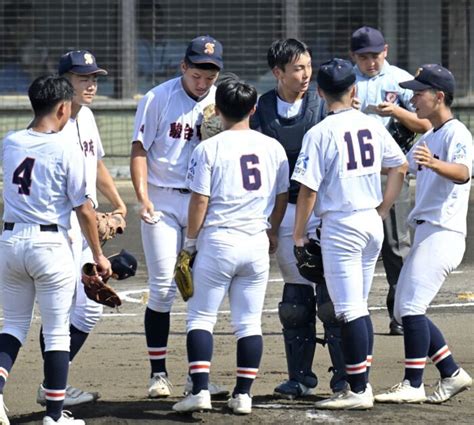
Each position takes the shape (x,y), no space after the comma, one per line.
(114,361)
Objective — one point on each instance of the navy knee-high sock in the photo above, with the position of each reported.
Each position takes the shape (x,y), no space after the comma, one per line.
(200,345)
(439,352)
(9,348)
(56,366)
(416,337)
(370,346)
(355,343)
(78,338)
(157,329)
(249,354)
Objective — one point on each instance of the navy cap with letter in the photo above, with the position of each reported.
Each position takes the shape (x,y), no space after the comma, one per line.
(431,76)
(367,40)
(81,62)
(205,49)
(336,75)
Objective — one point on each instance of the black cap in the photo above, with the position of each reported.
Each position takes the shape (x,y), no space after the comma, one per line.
(205,49)
(367,40)
(123,265)
(431,76)
(79,62)
(336,75)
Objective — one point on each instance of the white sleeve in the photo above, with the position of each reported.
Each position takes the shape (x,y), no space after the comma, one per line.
(283,172)
(393,155)
(146,120)
(198,177)
(460,148)
(100,147)
(309,168)
(75,166)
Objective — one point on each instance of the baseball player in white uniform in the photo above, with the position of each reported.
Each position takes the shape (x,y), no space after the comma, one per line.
(166,132)
(43,181)
(339,169)
(442,163)
(239,182)
(80,68)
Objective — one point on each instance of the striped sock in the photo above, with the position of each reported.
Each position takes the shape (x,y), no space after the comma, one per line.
(157,329)
(199,344)
(249,354)
(439,352)
(9,348)
(416,337)
(370,347)
(56,365)
(355,343)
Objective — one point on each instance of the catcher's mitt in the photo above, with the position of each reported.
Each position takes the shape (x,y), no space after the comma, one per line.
(211,123)
(108,225)
(310,261)
(183,274)
(96,289)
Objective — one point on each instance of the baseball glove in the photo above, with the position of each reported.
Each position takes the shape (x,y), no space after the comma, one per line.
(108,225)
(211,123)
(309,261)
(183,274)
(96,289)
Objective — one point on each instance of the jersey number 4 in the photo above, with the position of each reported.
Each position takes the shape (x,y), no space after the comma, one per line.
(22,176)
(366,150)
(251,177)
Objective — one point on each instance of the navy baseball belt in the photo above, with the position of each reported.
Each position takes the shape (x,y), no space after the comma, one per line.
(181,190)
(43,227)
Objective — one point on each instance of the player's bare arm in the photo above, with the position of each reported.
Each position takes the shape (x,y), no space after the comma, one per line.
(458,173)
(139,169)
(197,212)
(276,218)
(407,118)
(304,208)
(395,178)
(86,216)
(106,186)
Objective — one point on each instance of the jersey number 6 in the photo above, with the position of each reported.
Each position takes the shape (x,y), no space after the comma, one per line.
(22,176)
(251,177)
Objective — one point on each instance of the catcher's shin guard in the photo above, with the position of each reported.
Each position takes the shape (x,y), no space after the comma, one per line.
(297,313)
(332,337)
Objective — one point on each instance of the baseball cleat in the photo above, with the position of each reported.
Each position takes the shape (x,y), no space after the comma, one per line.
(348,400)
(291,389)
(194,402)
(74,396)
(403,393)
(66,419)
(3,415)
(159,386)
(214,389)
(395,328)
(241,404)
(449,387)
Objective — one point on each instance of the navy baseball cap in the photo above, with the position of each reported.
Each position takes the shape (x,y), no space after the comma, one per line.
(367,40)
(79,62)
(431,76)
(205,49)
(336,75)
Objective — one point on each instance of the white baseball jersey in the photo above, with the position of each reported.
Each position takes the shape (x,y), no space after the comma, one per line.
(83,133)
(167,123)
(439,200)
(43,178)
(341,158)
(241,172)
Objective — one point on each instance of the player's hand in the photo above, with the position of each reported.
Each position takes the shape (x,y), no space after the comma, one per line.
(383,212)
(122,210)
(423,156)
(147,212)
(356,103)
(386,109)
(300,241)
(273,239)
(103,266)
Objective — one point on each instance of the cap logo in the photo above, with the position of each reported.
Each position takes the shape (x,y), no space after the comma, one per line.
(418,72)
(209,48)
(88,59)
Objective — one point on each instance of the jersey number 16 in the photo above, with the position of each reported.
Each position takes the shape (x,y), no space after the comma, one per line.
(366,149)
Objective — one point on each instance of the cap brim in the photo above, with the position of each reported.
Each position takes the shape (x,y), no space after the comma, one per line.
(87,70)
(370,49)
(415,85)
(206,59)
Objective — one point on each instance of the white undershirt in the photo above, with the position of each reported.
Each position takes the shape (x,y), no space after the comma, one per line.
(288,110)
